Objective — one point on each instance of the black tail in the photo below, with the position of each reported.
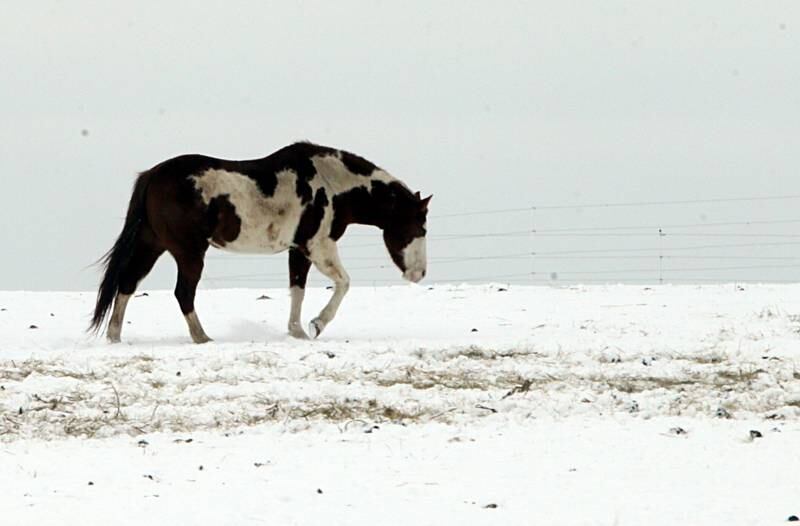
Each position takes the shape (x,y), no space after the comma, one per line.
(116,260)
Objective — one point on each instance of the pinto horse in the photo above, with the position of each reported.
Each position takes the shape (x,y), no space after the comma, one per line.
(300,198)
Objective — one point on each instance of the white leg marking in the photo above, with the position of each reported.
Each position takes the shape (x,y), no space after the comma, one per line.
(117,316)
(326,258)
(295,326)
(195,329)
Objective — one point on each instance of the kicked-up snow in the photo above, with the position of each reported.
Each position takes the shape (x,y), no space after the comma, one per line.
(418,404)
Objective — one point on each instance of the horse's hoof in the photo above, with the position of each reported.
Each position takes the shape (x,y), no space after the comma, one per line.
(113,339)
(300,334)
(202,339)
(315,327)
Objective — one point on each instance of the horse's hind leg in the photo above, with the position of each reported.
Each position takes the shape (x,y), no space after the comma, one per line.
(145,254)
(190,268)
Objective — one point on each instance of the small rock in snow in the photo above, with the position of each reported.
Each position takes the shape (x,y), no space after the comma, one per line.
(319,491)
(143,443)
(678,431)
(263,297)
(754,433)
(33,327)
(91,483)
(722,413)
(474,330)
(491,506)
(142,295)
(793,518)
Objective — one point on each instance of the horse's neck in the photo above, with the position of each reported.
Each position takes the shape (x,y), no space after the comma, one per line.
(363,206)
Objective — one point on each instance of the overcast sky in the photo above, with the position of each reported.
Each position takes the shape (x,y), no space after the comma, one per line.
(487,105)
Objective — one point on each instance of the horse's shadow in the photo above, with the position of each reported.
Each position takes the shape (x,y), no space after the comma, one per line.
(245,331)
(242,331)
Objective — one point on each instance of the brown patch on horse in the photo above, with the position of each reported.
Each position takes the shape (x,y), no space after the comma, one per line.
(272,234)
(311,219)
(225,223)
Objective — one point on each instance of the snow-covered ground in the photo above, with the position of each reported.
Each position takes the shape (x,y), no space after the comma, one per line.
(418,405)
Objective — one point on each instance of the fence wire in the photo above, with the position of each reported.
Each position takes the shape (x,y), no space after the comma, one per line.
(544,247)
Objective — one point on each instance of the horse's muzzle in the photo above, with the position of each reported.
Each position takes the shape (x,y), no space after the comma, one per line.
(414,276)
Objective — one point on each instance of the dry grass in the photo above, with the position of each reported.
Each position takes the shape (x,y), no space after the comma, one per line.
(739,376)
(712,358)
(474,352)
(423,379)
(638,384)
(724,379)
(137,394)
(14,371)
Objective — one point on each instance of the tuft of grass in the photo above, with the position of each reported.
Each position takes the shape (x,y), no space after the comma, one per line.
(727,378)
(13,371)
(638,384)
(707,359)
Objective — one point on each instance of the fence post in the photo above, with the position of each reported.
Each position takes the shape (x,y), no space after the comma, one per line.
(531,245)
(660,257)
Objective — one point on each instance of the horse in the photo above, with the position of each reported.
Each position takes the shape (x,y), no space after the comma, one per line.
(299,199)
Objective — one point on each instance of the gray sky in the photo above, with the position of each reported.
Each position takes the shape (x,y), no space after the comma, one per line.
(486,105)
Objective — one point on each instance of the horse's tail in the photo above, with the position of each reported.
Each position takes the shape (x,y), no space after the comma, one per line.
(116,260)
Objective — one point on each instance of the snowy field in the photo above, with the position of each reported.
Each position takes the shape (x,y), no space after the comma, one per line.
(602,405)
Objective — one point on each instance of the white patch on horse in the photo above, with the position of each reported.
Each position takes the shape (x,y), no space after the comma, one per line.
(415,260)
(337,179)
(268,223)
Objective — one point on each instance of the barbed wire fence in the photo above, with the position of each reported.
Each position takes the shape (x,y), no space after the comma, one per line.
(739,240)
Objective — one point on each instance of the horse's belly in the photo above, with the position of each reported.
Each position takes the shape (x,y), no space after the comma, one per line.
(260,238)
(247,220)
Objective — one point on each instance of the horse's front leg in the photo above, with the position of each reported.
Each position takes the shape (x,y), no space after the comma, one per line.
(326,258)
(298,272)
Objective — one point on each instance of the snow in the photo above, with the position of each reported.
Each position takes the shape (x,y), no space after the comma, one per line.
(419,404)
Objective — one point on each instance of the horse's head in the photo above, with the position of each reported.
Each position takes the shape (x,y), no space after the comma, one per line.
(404,236)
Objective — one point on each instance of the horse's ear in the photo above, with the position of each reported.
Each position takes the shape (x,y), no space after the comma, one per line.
(416,194)
(424,202)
